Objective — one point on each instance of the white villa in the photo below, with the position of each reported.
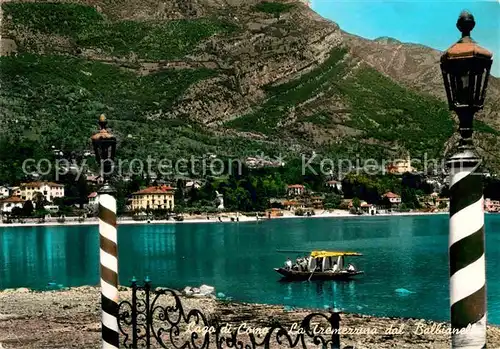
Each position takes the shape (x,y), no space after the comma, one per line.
(50,190)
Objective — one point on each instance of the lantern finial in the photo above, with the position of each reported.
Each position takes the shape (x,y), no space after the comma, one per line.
(103,122)
(466,23)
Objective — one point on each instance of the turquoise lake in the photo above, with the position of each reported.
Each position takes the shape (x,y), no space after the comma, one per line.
(408,252)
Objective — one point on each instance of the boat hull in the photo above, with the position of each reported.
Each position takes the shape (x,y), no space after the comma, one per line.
(295,275)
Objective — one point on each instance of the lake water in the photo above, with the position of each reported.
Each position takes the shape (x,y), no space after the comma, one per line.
(238,258)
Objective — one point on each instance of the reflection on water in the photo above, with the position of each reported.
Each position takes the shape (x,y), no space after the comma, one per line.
(238,259)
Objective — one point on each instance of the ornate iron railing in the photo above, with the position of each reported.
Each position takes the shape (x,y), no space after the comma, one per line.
(157,319)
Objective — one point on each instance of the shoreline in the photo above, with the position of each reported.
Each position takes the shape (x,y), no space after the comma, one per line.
(72,318)
(225,219)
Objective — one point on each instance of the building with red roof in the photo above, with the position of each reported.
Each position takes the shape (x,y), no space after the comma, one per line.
(50,190)
(154,198)
(334,184)
(8,204)
(295,190)
(394,199)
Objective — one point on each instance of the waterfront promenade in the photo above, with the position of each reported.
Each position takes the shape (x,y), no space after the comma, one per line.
(229,217)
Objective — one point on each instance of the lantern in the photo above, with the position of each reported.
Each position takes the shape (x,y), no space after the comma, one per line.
(466,69)
(104,144)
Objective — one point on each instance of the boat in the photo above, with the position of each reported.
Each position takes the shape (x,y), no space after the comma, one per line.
(321,265)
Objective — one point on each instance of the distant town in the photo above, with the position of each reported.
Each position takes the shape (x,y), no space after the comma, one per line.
(262,191)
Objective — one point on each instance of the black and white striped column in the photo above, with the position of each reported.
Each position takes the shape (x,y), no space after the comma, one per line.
(109,270)
(466,253)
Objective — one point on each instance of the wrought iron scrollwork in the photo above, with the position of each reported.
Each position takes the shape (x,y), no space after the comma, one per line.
(158,316)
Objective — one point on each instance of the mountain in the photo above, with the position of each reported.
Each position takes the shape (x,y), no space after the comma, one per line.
(229,77)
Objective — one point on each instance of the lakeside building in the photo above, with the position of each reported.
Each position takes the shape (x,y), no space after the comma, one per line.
(93,198)
(364,206)
(491,205)
(317,202)
(15,191)
(292,205)
(193,184)
(154,198)
(295,190)
(433,202)
(400,166)
(50,190)
(345,204)
(394,199)
(4,192)
(273,213)
(334,185)
(368,208)
(8,204)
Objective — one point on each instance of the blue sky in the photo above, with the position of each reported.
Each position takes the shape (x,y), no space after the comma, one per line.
(431,23)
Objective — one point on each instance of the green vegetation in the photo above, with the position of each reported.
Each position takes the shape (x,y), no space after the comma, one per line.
(382,109)
(87,28)
(480,126)
(50,18)
(283,97)
(332,201)
(55,101)
(371,188)
(274,8)
(389,112)
(58,97)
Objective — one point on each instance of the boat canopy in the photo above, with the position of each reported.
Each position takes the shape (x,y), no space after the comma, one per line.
(325,254)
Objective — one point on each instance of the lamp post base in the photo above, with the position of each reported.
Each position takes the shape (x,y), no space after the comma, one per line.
(466,251)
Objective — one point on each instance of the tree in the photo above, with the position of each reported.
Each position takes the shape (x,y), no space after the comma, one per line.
(179,194)
(299,212)
(385,202)
(262,200)
(492,188)
(207,192)
(409,198)
(356,203)
(194,195)
(28,208)
(39,200)
(17,212)
(83,191)
(41,213)
(445,192)
(442,205)
(332,201)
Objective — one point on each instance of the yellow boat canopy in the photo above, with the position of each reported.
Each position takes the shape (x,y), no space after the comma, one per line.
(323,254)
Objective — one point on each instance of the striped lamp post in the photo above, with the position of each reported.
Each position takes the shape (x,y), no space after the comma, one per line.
(104,147)
(466,67)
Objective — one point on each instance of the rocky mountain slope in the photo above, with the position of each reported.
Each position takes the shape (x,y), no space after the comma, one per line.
(229,77)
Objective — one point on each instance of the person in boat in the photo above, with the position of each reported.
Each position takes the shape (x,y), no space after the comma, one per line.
(319,264)
(298,264)
(288,264)
(303,264)
(335,267)
(351,267)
